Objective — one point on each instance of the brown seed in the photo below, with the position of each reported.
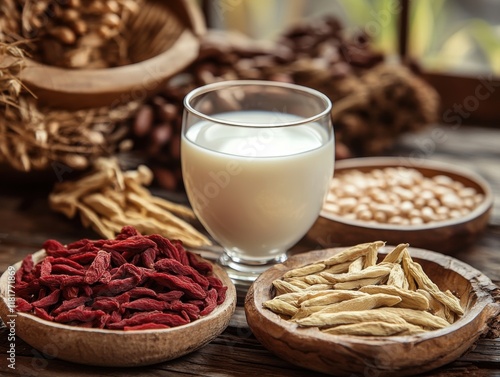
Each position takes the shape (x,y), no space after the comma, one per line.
(161,134)
(112,20)
(79,27)
(167,112)
(143,121)
(63,34)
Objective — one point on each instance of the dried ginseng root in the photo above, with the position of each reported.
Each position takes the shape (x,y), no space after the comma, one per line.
(351,294)
(132,282)
(108,199)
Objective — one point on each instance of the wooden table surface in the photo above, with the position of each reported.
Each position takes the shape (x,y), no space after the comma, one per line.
(26,221)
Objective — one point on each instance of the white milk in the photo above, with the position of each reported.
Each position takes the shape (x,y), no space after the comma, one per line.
(257,190)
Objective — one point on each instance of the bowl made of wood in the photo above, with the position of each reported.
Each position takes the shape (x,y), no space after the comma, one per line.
(447,236)
(101,347)
(164,40)
(344,355)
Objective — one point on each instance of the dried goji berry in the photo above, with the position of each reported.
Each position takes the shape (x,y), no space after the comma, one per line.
(48,300)
(176,267)
(66,261)
(78,314)
(115,286)
(70,304)
(117,258)
(83,258)
(146,326)
(183,283)
(141,292)
(170,296)
(98,266)
(135,244)
(203,267)
(148,257)
(68,280)
(211,302)
(107,304)
(46,267)
(22,305)
(66,269)
(145,304)
(55,248)
(181,252)
(42,313)
(165,247)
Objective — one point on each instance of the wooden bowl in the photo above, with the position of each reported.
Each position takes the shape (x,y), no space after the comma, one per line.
(344,355)
(113,347)
(446,236)
(175,27)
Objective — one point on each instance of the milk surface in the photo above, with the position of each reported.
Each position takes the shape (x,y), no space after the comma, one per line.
(257,190)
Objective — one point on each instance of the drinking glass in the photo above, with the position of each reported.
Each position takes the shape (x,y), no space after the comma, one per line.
(257,158)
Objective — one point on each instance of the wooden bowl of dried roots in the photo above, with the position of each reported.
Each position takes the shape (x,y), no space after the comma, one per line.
(105,53)
(370,309)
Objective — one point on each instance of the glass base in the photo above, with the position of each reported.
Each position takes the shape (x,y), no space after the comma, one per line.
(245,273)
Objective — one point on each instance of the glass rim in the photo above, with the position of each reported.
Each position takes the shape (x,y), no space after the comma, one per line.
(267,83)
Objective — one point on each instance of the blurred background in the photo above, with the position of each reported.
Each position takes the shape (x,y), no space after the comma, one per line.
(453,42)
(451,36)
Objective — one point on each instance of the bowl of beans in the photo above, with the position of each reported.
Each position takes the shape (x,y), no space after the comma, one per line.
(429,204)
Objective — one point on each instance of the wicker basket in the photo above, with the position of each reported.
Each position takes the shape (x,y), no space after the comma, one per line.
(164,38)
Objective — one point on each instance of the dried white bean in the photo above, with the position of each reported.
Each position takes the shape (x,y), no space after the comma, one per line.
(399,196)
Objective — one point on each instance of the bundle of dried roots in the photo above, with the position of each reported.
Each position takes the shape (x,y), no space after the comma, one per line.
(107,199)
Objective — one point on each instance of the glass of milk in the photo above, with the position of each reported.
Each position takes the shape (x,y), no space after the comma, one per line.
(257,158)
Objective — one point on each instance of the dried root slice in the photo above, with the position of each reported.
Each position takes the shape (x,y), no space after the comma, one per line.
(338,268)
(424,282)
(353,252)
(420,318)
(320,302)
(290,298)
(280,307)
(357,265)
(356,284)
(364,302)
(350,317)
(367,273)
(310,279)
(409,299)
(328,297)
(374,329)
(282,286)
(304,271)
(396,254)
(397,277)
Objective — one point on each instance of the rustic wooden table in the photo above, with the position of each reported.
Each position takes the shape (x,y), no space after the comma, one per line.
(26,221)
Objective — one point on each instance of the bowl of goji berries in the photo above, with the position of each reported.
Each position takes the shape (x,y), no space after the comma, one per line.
(129,301)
